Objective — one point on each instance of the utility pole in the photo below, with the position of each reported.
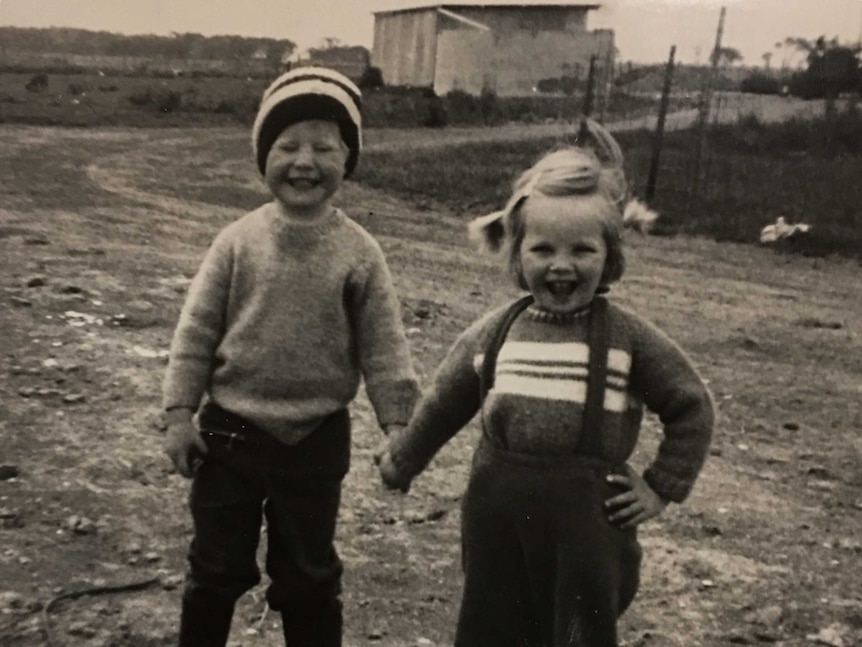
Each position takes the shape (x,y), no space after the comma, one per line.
(705,105)
(659,130)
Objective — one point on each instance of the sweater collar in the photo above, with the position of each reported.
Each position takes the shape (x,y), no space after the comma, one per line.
(541,315)
(297,230)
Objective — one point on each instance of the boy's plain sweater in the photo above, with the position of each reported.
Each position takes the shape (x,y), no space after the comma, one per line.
(537,401)
(282,321)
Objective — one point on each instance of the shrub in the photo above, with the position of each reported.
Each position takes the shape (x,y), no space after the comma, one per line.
(489,106)
(372,77)
(38,83)
(160,100)
(759,83)
(461,106)
(243,108)
(437,116)
(563,84)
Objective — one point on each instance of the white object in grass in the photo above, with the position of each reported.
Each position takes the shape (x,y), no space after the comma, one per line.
(780,230)
(638,216)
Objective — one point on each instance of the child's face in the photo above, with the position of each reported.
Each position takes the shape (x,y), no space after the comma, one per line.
(305,166)
(563,253)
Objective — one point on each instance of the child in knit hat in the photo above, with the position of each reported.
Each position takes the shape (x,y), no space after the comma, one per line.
(560,379)
(292,306)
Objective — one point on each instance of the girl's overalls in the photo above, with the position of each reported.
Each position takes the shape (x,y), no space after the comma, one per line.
(543,565)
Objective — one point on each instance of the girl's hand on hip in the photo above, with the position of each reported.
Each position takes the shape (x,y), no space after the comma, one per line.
(638,503)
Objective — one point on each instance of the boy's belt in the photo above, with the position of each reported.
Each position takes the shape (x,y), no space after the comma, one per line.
(229,438)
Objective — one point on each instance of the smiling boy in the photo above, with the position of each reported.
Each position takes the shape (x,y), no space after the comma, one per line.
(292,306)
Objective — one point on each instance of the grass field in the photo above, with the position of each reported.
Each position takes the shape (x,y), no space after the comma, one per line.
(804,170)
(100,230)
(110,99)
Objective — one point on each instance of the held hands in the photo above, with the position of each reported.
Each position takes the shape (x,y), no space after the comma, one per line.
(638,503)
(389,474)
(183,443)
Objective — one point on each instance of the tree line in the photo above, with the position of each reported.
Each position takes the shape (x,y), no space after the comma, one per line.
(183,46)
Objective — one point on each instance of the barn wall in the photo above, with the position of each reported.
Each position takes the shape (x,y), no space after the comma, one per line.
(424,48)
(524,59)
(405,47)
(465,60)
(511,61)
(507,20)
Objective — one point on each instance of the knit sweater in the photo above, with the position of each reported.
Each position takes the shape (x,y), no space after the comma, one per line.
(537,402)
(284,319)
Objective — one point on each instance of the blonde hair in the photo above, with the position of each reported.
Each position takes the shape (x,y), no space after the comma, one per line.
(591,172)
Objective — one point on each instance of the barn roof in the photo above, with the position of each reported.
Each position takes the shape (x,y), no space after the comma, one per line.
(499,4)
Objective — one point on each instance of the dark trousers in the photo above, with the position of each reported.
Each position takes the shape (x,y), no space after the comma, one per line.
(247,477)
(543,567)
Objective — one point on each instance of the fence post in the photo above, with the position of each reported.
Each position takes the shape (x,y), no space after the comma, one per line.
(607,81)
(588,100)
(705,106)
(659,129)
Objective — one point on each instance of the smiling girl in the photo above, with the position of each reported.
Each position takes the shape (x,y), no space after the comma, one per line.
(561,378)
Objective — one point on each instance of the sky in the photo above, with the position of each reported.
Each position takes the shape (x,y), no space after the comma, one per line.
(644,29)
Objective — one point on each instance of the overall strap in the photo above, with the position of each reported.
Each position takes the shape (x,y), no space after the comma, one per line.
(498,336)
(590,443)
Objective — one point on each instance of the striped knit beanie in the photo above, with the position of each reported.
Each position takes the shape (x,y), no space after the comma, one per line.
(309,93)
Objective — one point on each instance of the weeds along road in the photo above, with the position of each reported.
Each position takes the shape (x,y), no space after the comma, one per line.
(728,107)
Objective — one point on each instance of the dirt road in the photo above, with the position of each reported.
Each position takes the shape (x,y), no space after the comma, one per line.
(96,251)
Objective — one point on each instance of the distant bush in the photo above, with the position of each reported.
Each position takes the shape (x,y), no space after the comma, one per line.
(558,85)
(372,77)
(38,83)
(759,83)
(461,106)
(437,116)
(243,108)
(160,100)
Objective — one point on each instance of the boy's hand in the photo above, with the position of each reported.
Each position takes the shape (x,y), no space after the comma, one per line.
(637,504)
(391,477)
(184,445)
(391,430)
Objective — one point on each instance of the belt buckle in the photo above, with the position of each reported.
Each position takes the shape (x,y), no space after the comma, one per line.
(230,438)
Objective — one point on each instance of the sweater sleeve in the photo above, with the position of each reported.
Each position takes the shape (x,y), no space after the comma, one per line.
(381,343)
(199,330)
(447,406)
(671,387)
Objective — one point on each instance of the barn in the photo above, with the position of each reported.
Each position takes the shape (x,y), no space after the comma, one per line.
(505,48)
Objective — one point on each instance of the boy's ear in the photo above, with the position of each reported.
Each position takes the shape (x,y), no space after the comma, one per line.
(488,231)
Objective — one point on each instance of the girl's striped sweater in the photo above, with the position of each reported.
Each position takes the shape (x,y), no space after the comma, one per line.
(537,401)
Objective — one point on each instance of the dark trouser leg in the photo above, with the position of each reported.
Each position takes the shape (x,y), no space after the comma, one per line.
(584,571)
(497,608)
(301,559)
(226,510)
(313,623)
(205,620)
(544,515)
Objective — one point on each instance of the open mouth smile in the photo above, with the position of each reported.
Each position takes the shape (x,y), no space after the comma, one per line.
(561,289)
(303,183)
